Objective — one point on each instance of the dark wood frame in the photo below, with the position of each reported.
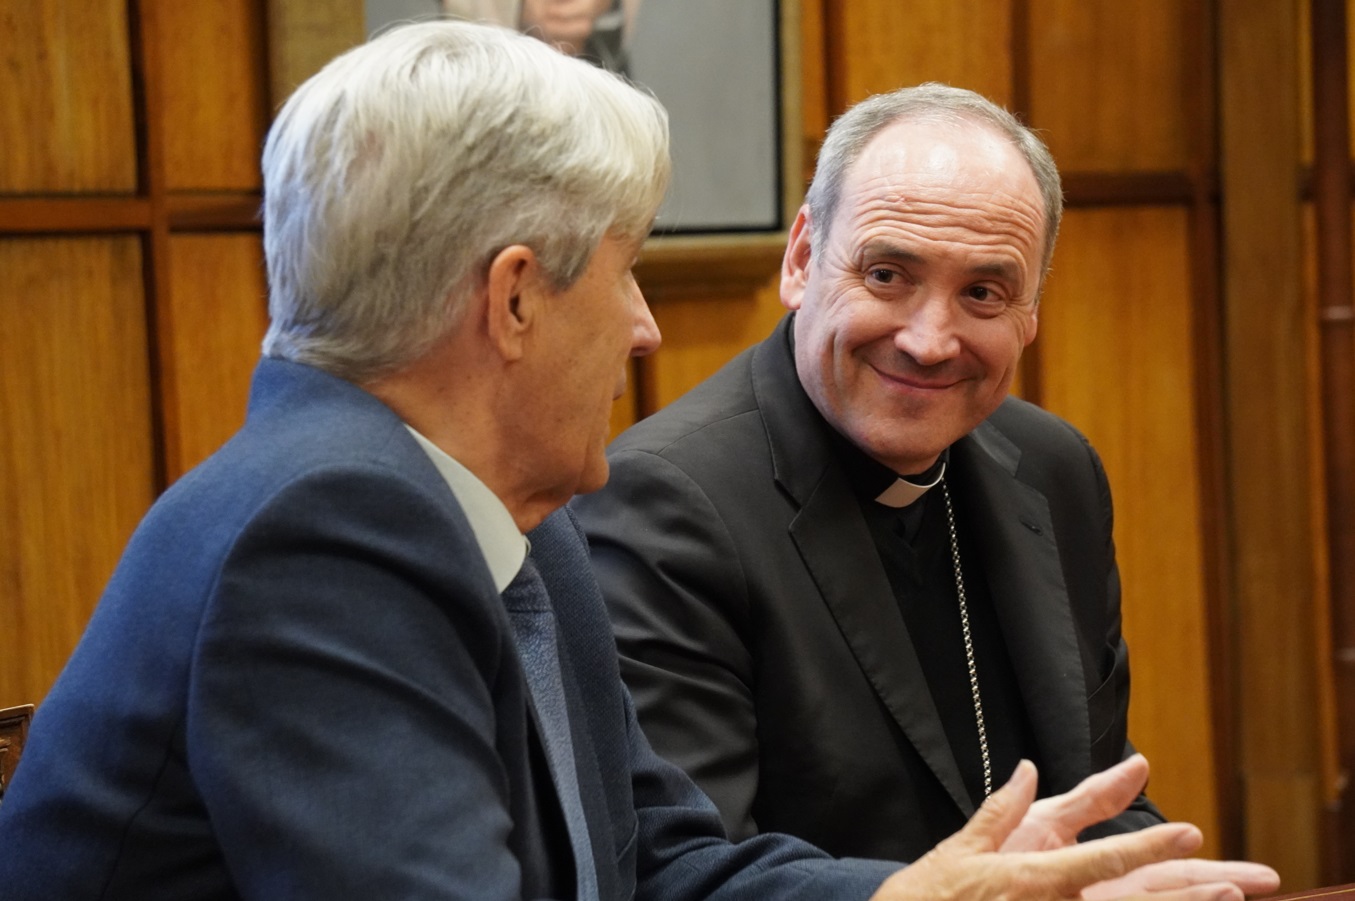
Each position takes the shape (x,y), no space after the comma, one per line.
(13,734)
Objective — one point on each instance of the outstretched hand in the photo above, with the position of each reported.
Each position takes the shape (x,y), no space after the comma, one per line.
(1056,822)
(1014,848)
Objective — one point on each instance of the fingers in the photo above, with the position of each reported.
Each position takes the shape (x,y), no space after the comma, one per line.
(1000,813)
(1055,822)
(1101,795)
(1074,868)
(1250,878)
(1215,892)
(959,869)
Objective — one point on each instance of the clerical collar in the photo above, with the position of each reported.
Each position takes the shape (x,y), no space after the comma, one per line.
(872,481)
(904,490)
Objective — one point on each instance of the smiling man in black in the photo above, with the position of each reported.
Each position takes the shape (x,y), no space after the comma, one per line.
(852,580)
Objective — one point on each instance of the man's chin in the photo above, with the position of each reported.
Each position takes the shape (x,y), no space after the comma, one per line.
(905,458)
(594,477)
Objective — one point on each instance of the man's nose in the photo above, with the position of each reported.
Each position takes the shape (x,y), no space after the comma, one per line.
(645,337)
(928,333)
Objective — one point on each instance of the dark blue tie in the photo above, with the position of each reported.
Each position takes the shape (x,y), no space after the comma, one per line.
(533,620)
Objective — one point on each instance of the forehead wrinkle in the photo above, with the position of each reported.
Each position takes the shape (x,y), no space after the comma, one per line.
(993,205)
(963,170)
(931,220)
(921,200)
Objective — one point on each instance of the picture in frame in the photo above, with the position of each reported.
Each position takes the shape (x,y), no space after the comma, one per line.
(718,67)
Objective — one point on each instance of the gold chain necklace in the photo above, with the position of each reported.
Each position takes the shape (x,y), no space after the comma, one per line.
(968,642)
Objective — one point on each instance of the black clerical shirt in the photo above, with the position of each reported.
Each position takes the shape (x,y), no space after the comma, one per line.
(914,547)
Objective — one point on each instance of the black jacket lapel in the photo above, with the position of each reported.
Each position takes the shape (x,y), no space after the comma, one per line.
(1014,534)
(829,532)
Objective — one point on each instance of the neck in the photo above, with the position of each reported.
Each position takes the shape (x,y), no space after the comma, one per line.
(456,399)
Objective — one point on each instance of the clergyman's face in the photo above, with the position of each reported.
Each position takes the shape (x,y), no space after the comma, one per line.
(910,322)
(596,325)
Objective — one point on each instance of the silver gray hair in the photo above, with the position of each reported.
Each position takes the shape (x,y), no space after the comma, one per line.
(854,129)
(394,175)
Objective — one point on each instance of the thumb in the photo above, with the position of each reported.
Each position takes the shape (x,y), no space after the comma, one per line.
(999,814)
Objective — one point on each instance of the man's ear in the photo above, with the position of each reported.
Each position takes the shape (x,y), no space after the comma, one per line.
(795,264)
(513,291)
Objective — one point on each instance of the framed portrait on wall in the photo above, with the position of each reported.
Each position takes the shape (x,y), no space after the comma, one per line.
(726,72)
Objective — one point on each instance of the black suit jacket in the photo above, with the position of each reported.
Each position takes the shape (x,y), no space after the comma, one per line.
(763,643)
(301,683)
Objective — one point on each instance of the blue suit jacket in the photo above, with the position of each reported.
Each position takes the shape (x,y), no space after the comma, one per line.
(301,683)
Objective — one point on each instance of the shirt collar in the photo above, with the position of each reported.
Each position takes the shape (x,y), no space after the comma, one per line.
(904,490)
(502,545)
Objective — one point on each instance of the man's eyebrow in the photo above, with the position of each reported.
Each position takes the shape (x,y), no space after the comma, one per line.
(875,250)
(1005,270)
(887,250)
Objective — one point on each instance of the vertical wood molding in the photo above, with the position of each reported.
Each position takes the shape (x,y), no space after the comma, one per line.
(1268,396)
(1335,318)
(1199,24)
(1030,366)
(150,130)
(836,55)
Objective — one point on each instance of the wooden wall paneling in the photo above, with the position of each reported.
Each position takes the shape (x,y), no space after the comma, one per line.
(1119,363)
(76,467)
(303,35)
(1200,105)
(1333,697)
(1305,7)
(1302,11)
(1108,87)
(212,60)
(75,213)
(708,306)
(1267,406)
(702,332)
(204,134)
(65,98)
(814,112)
(879,45)
(1026,383)
(219,297)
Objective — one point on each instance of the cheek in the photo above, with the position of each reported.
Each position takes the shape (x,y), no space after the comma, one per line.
(1024,328)
(1000,342)
(828,334)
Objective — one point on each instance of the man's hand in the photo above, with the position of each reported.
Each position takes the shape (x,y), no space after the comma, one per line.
(1056,822)
(1000,856)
